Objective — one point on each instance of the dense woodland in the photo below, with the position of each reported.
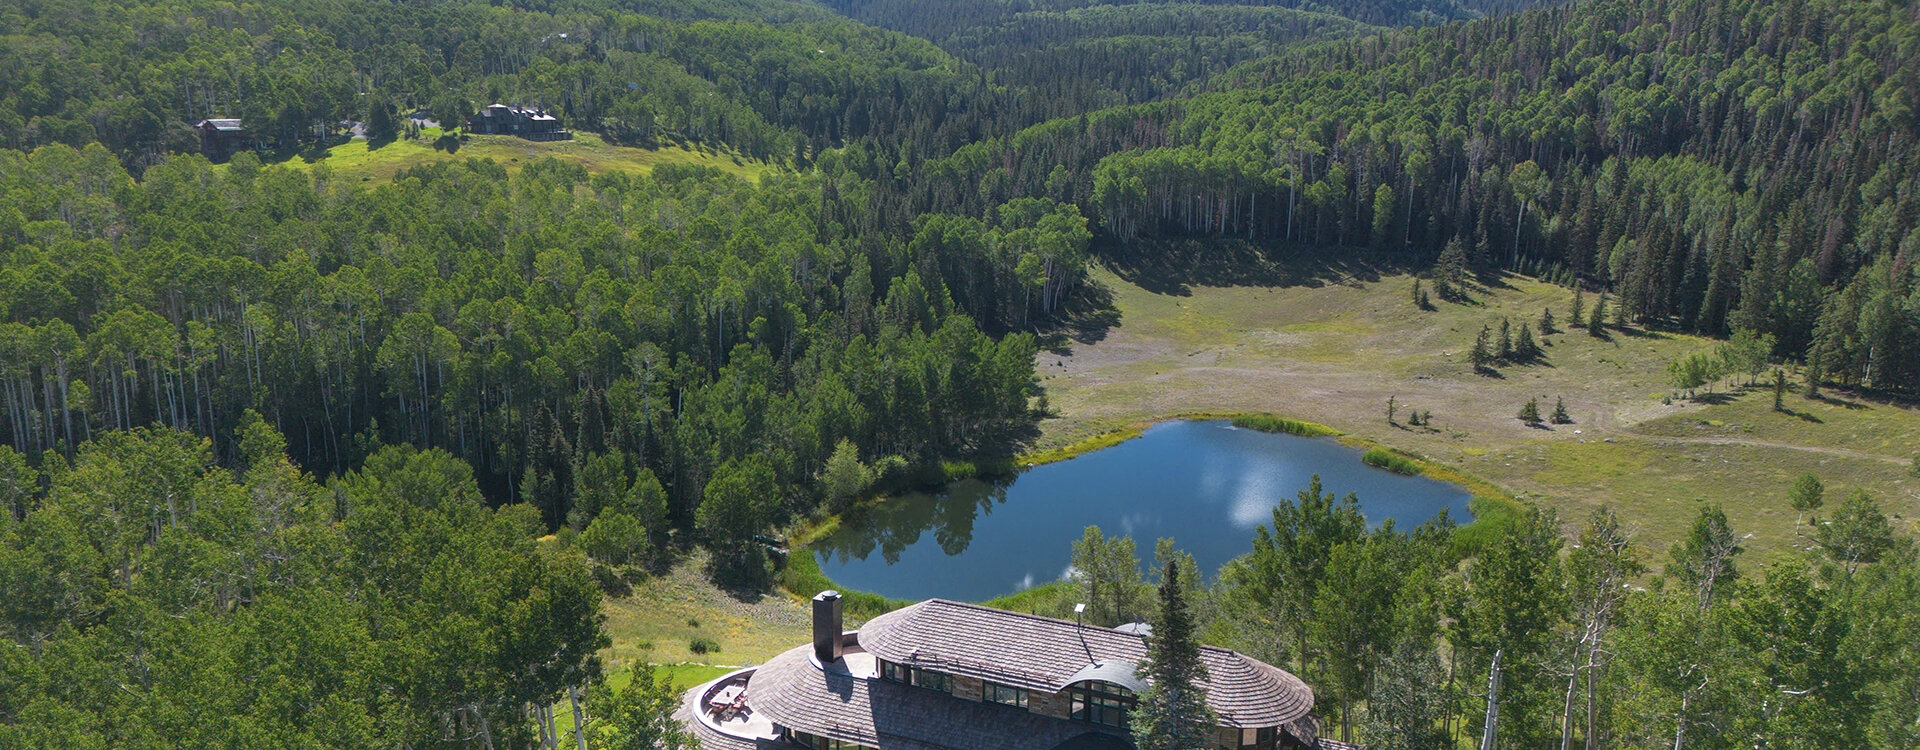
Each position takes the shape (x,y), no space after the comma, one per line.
(1598,641)
(1713,166)
(773,80)
(278,449)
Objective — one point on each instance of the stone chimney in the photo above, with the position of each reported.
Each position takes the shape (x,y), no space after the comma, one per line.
(826,626)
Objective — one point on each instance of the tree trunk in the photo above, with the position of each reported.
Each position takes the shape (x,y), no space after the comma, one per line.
(579,717)
(1492,727)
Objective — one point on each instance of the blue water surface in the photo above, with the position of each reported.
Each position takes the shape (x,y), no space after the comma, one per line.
(1204,484)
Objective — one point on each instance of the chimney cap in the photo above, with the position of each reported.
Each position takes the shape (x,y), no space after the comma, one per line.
(826,596)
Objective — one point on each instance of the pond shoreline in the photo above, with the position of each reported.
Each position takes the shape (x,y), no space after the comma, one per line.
(801,576)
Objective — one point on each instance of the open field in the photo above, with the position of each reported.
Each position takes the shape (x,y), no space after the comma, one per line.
(586,149)
(664,613)
(1333,347)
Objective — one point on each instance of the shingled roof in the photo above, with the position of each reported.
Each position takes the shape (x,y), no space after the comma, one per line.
(1043,653)
(794,691)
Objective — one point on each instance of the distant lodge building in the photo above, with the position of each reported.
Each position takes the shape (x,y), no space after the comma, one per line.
(943,675)
(531,123)
(220,138)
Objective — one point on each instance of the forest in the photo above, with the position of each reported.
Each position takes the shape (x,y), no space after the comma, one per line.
(1592,640)
(1713,166)
(290,459)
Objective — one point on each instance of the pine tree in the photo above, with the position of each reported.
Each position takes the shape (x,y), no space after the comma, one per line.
(1577,316)
(1596,323)
(1547,322)
(1506,341)
(1530,413)
(1779,389)
(1523,346)
(1560,415)
(1478,355)
(1172,714)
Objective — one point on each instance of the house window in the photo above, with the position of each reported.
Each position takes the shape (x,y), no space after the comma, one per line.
(932,680)
(1008,696)
(916,676)
(818,742)
(1101,703)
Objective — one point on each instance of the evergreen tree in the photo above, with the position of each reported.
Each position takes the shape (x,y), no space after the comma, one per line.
(1560,415)
(1577,316)
(1172,714)
(1779,389)
(1504,352)
(1479,356)
(1546,322)
(1816,369)
(1530,412)
(1596,323)
(1523,345)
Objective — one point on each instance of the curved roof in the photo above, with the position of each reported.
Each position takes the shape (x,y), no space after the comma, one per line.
(1043,653)
(1117,671)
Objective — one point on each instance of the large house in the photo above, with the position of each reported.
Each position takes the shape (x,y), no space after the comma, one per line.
(531,123)
(943,675)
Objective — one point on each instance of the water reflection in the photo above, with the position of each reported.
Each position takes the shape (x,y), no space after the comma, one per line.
(893,526)
(1205,484)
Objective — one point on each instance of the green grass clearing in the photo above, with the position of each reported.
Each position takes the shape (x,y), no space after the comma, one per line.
(357,159)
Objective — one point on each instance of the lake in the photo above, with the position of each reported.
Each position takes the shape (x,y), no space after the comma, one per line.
(1204,484)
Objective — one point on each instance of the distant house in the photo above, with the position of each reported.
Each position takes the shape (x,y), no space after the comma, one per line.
(531,123)
(219,138)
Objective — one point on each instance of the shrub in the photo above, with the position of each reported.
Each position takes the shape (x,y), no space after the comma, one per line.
(703,645)
(1394,462)
(1269,423)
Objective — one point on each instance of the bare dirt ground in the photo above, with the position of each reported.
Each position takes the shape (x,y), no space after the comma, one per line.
(1335,347)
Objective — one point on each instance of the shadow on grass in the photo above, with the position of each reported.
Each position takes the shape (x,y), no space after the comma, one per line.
(1843,403)
(1802,416)
(1085,320)
(1175,266)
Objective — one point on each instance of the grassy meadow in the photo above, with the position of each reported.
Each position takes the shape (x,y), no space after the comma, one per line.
(359,158)
(1333,346)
